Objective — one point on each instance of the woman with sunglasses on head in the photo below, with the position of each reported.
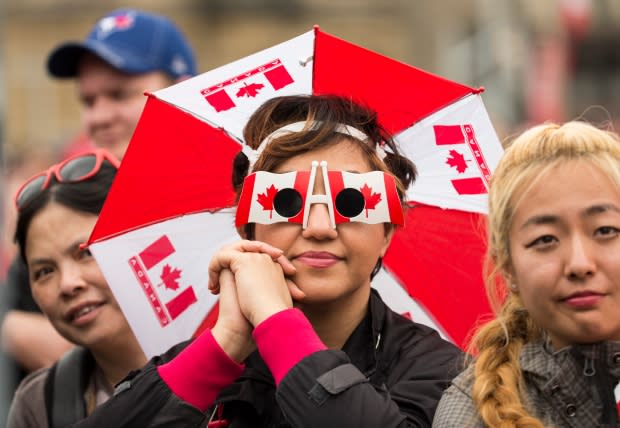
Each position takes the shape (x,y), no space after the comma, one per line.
(552,355)
(57,210)
(302,340)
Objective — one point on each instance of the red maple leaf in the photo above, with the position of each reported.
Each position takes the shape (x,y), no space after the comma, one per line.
(266,199)
(457,161)
(169,276)
(123,21)
(250,90)
(371,199)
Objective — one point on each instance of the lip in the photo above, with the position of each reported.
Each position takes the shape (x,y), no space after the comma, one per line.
(583,299)
(83,313)
(318,259)
(106,138)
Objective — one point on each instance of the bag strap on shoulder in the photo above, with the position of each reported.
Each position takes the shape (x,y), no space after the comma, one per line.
(65,386)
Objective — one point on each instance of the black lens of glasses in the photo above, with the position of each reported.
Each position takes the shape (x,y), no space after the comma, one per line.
(78,168)
(350,202)
(287,202)
(31,190)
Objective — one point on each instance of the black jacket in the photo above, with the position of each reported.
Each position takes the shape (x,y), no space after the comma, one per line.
(390,373)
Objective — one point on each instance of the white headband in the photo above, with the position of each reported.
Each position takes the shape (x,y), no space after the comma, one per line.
(294,127)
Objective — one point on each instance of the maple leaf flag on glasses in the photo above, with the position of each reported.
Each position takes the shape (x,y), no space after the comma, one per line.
(260,193)
(173,193)
(381,201)
(269,198)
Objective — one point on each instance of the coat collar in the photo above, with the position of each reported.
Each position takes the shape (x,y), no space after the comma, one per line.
(539,359)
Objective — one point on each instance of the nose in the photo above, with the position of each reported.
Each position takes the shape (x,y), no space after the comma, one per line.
(71,280)
(580,263)
(101,111)
(319,224)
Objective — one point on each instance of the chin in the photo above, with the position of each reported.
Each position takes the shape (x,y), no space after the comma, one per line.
(93,341)
(315,297)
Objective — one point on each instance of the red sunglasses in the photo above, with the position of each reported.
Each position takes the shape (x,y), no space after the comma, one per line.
(72,170)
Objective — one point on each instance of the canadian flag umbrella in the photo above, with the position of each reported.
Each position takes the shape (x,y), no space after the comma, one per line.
(172,204)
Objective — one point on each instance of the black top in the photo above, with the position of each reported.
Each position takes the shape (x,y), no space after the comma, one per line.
(390,373)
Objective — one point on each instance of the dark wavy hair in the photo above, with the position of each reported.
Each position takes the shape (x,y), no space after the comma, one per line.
(331,110)
(86,196)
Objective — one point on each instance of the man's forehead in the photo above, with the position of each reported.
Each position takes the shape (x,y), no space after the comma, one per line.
(91,83)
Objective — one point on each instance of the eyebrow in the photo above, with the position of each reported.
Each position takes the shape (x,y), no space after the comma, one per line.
(71,249)
(550,219)
(539,219)
(598,209)
(39,261)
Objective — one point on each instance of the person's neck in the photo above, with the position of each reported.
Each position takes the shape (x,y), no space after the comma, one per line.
(335,321)
(118,360)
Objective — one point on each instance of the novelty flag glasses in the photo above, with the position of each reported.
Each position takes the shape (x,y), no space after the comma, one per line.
(72,170)
(268,198)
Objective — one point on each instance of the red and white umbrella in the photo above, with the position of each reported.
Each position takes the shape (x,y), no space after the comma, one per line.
(171,205)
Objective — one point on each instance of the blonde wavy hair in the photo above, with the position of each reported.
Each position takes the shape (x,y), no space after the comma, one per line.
(498,389)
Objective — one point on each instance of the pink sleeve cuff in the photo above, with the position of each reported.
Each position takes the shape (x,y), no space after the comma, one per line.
(200,371)
(284,339)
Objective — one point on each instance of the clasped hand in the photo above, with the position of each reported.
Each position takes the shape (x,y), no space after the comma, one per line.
(253,281)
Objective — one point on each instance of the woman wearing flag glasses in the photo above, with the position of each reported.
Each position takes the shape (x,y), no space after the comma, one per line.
(552,355)
(320,188)
(57,210)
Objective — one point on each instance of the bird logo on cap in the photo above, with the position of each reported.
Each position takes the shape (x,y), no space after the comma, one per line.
(110,24)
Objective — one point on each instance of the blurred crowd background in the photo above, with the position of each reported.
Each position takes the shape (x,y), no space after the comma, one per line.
(539,60)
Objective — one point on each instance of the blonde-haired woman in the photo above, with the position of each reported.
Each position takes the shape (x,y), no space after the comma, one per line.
(551,357)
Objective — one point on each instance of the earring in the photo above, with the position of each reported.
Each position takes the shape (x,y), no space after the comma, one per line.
(513,287)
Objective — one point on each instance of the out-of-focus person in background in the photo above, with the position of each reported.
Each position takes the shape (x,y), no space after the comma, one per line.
(127,52)
(57,210)
(551,357)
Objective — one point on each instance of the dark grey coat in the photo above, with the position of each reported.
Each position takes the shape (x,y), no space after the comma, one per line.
(573,387)
(390,373)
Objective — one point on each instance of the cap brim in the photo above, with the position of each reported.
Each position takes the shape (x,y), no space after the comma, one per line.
(63,61)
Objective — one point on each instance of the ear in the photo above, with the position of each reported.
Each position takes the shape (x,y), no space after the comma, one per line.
(510,280)
(389,233)
(246,231)
(508,275)
(242,233)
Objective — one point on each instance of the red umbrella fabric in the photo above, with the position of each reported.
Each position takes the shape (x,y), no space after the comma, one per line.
(171,205)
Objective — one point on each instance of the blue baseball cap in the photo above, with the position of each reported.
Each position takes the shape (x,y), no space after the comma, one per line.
(131,41)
